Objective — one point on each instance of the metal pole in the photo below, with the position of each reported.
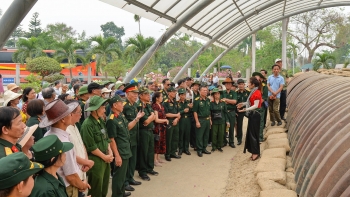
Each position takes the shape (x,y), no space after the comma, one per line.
(220,34)
(171,30)
(89,74)
(284,43)
(18,79)
(253,51)
(13,17)
(265,25)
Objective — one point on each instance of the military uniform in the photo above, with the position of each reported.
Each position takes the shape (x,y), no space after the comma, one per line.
(164,94)
(184,126)
(39,132)
(117,127)
(47,185)
(263,109)
(231,109)
(130,113)
(202,107)
(242,97)
(172,134)
(94,136)
(218,124)
(193,123)
(7,148)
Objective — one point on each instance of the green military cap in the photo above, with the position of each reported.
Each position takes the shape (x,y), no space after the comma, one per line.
(259,74)
(106,82)
(215,90)
(15,168)
(83,90)
(144,90)
(171,89)
(181,91)
(96,102)
(132,87)
(115,99)
(240,81)
(50,146)
(118,84)
(196,83)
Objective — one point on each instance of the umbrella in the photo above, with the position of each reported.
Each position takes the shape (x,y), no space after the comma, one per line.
(225,67)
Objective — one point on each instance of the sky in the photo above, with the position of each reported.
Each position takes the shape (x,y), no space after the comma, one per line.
(87,15)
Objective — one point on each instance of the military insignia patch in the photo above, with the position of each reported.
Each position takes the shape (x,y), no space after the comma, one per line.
(111,117)
(8,151)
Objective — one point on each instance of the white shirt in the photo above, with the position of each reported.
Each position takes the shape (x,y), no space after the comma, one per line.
(57,91)
(216,79)
(70,166)
(79,148)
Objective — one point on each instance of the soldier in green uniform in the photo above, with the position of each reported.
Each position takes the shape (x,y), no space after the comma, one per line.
(166,85)
(118,132)
(230,98)
(264,91)
(50,151)
(201,113)
(195,91)
(172,134)
(96,141)
(219,117)
(83,96)
(242,96)
(185,123)
(12,128)
(130,112)
(16,175)
(146,141)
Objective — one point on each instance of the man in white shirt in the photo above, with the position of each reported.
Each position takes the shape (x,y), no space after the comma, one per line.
(57,86)
(215,80)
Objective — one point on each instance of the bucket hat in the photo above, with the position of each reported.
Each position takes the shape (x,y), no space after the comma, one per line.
(28,132)
(95,103)
(50,146)
(83,90)
(12,86)
(9,96)
(259,74)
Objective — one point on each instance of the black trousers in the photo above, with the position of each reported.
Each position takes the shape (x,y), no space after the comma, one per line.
(283,103)
(240,117)
(252,137)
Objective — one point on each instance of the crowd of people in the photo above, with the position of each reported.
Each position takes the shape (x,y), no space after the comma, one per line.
(73,139)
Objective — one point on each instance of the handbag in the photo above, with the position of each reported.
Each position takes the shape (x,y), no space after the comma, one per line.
(217,115)
(156,137)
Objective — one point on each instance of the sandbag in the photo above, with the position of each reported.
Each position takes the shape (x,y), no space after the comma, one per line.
(273,130)
(278,143)
(274,153)
(290,182)
(270,164)
(269,185)
(289,162)
(277,176)
(278,135)
(278,193)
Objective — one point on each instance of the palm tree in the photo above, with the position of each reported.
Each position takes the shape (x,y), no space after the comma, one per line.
(137,19)
(107,51)
(66,50)
(323,60)
(28,49)
(246,46)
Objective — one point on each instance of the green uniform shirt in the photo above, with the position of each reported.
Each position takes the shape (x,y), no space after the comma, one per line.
(5,148)
(182,106)
(219,107)
(130,113)
(202,107)
(196,95)
(170,106)
(39,132)
(242,96)
(164,94)
(117,128)
(148,111)
(230,95)
(94,135)
(46,185)
(265,91)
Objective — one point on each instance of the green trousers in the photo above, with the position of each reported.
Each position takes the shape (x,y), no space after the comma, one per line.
(184,133)
(146,152)
(217,138)
(132,165)
(240,117)
(202,134)
(119,175)
(262,123)
(98,177)
(231,131)
(172,139)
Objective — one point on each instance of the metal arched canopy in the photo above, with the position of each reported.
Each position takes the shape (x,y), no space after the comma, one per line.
(211,23)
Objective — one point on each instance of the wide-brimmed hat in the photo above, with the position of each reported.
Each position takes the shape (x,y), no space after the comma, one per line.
(12,86)
(105,90)
(15,168)
(50,146)
(278,60)
(55,111)
(132,87)
(118,84)
(228,80)
(259,74)
(144,90)
(28,132)
(83,90)
(95,103)
(215,90)
(9,96)
(196,83)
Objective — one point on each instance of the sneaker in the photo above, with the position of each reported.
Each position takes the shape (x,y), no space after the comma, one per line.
(272,124)
(279,123)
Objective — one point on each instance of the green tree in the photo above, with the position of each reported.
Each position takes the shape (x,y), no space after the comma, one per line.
(323,60)
(27,50)
(45,41)
(15,36)
(44,66)
(106,51)
(60,31)
(137,19)
(33,81)
(115,68)
(111,30)
(34,26)
(66,51)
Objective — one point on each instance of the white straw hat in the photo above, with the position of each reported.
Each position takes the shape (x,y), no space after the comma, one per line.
(9,96)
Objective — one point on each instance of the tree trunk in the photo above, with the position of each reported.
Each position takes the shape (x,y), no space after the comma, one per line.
(71,73)
(310,57)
